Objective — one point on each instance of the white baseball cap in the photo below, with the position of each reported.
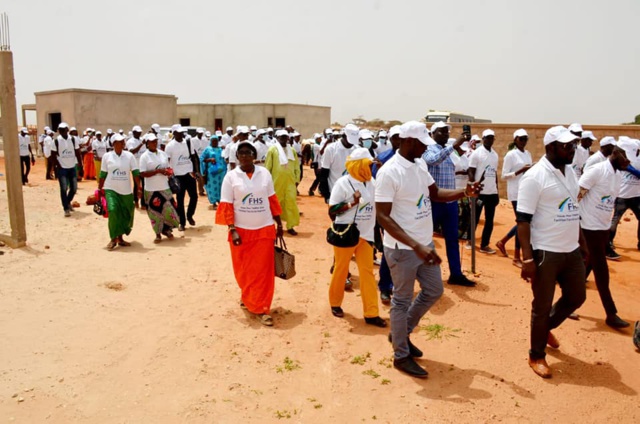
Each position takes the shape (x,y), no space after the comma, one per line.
(24,129)
(353,133)
(218,133)
(242,129)
(200,130)
(229,129)
(109,131)
(253,128)
(365,134)
(439,124)
(73,129)
(488,133)
(382,133)
(575,127)
(63,125)
(280,133)
(137,128)
(359,153)
(182,129)
(260,132)
(47,128)
(559,134)
(328,131)
(475,137)
(151,137)
(395,130)
(117,137)
(269,129)
(520,133)
(606,141)
(156,127)
(589,134)
(629,146)
(418,130)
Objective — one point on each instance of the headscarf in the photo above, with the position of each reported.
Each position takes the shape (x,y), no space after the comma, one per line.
(358,164)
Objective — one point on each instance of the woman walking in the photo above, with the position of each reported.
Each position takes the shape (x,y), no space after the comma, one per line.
(161,207)
(213,170)
(516,162)
(249,207)
(115,178)
(352,201)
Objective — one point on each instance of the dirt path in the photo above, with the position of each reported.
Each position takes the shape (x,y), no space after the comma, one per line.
(153,333)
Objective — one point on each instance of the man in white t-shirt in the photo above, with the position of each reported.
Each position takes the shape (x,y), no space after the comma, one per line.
(227,138)
(261,147)
(315,162)
(26,155)
(548,220)
(606,148)
(46,151)
(483,167)
(242,134)
(137,146)
(182,156)
(599,188)
(200,142)
(404,189)
(65,154)
(582,152)
(334,158)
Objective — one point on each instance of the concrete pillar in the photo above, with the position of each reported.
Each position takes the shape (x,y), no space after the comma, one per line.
(18,236)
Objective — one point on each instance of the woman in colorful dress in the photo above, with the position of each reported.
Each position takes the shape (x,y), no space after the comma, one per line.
(249,207)
(115,184)
(213,169)
(161,207)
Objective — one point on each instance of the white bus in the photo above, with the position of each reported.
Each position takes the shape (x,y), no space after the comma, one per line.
(437,115)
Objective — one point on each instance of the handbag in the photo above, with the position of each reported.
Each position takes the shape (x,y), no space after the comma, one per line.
(285,262)
(344,235)
(100,206)
(174,184)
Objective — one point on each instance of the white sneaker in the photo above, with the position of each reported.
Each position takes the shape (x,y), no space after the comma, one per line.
(467,246)
(377,261)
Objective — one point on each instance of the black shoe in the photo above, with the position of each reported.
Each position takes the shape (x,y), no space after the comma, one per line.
(337,311)
(348,286)
(409,366)
(191,221)
(413,350)
(181,227)
(311,193)
(292,232)
(616,322)
(377,321)
(612,255)
(461,280)
(385,297)
(636,335)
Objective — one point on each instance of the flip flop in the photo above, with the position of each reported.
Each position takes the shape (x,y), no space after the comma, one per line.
(265,319)
(111,245)
(124,243)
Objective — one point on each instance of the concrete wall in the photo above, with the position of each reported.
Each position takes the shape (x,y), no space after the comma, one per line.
(504,136)
(106,109)
(306,119)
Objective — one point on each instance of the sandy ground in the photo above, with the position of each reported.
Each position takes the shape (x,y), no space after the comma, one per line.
(153,333)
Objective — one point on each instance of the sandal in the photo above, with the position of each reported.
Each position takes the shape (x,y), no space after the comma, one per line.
(168,234)
(243,306)
(501,248)
(158,239)
(377,321)
(265,319)
(111,245)
(124,243)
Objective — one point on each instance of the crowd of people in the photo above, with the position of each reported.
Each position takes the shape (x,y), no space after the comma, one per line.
(388,191)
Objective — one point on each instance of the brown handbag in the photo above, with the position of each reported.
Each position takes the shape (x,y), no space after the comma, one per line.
(285,262)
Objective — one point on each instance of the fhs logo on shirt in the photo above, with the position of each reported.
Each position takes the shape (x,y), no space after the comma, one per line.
(118,173)
(568,205)
(367,206)
(67,152)
(604,199)
(251,200)
(422,201)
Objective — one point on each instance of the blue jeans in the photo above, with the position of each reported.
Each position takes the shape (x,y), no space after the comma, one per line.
(620,208)
(68,181)
(513,232)
(446,215)
(406,267)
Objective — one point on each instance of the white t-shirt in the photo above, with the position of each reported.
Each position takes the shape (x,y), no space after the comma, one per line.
(23,143)
(596,207)
(199,144)
(118,169)
(383,147)
(262,150)
(46,146)
(231,153)
(67,151)
(366,218)
(225,139)
(99,147)
(461,164)
(334,158)
(552,200)
(297,147)
(630,185)
(406,185)
(485,161)
(514,160)
(132,143)
(597,157)
(179,157)
(250,197)
(150,161)
(579,160)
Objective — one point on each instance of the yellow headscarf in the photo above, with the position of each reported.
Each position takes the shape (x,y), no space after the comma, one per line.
(359,169)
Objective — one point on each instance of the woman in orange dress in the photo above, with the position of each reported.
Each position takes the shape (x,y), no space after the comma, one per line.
(249,207)
(87,158)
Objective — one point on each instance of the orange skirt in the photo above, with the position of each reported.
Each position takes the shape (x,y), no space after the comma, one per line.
(89,166)
(254,269)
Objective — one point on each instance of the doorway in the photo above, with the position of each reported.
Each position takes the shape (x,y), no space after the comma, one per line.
(218,124)
(55,119)
(185,122)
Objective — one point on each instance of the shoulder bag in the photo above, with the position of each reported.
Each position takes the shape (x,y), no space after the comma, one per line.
(285,262)
(344,235)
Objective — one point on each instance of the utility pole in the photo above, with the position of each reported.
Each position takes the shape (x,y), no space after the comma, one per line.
(18,237)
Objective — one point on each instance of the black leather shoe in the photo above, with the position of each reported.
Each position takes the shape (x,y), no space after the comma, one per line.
(413,350)
(636,335)
(616,322)
(461,280)
(191,221)
(377,321)
(409,366)
(385,297)
(337,311)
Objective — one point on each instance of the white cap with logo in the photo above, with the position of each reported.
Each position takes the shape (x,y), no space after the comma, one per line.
(418,130)
(559,134)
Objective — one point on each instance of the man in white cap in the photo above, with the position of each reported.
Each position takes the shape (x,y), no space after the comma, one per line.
(582,152)
(253,130)
(334,158)
(404,191)
(26,155)
(268,137)
(383,142)
(137,146)
(315,157)
(108,139)
(548,220)
(65,154)
(242,134)
(483,166)
(607,144)
(599,188)
(576,129)
(445,215)
(99,147)
(182,157)
(227,138)
(200,142)
(261,147)
(46,151)
(629,195)
(41,138)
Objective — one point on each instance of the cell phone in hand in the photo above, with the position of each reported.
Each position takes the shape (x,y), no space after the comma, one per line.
(466,128)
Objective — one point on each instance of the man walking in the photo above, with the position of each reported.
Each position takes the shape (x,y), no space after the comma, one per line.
(65,154)
(26,155)
(548,220)
(181,158)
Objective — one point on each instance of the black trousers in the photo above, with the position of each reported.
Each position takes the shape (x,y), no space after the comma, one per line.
(488,202)
(25,168)
(568,270)
(187,185)
(50,173)
(316,182)
(620,208)
(597,242)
